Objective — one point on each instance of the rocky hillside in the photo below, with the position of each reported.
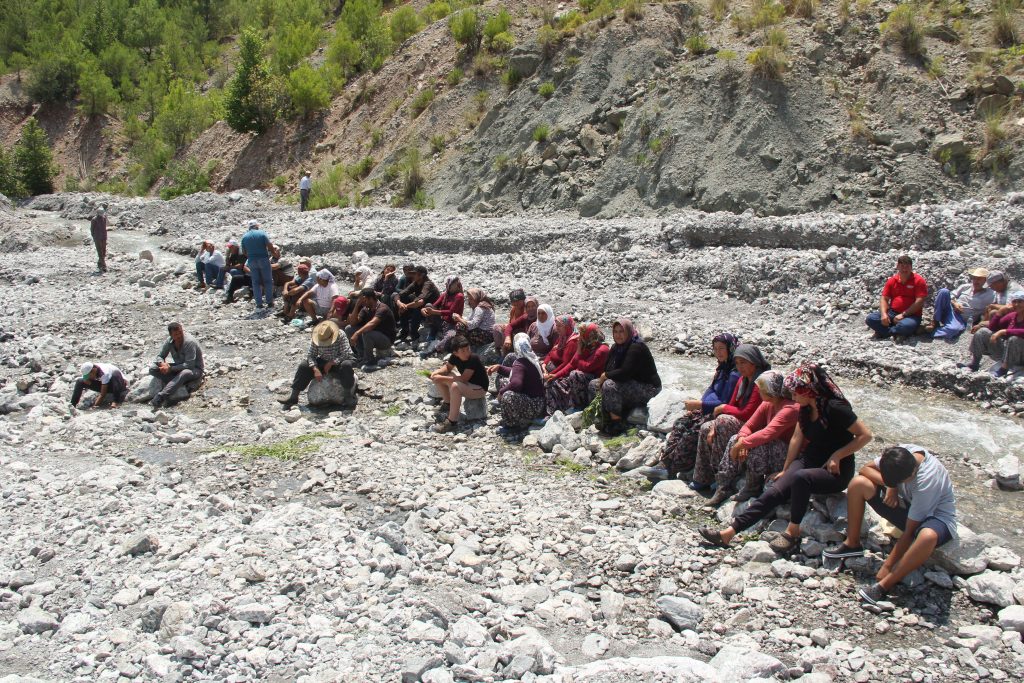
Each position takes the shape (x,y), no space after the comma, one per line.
(642,110)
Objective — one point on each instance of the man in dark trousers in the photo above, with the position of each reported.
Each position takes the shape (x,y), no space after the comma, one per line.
(305,185)
(98,228)
(186,364)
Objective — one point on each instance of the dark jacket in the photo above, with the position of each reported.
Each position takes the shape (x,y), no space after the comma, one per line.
(637,365)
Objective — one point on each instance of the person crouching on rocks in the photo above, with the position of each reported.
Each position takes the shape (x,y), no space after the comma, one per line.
(630,378)
(910,488)
(104,378)
(186,366)
(820,458)
(329,354)
(470,381)
(520,386)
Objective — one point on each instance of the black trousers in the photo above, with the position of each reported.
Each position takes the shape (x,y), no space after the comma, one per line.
(303,199)
(237,282)
(343,371)
(118,388)
(797,485)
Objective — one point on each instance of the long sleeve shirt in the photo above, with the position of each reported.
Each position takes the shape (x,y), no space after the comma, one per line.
(188,357)
(481,317)
(426,292)
(1008,322)
(637,366)
(768,424)
(337,352)
(592,363)
(562,359)
(719,391)
(447,304)
(746,410)
(517,325)
(523,379)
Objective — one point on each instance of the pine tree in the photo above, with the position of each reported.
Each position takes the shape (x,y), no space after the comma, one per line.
(8,176)
(250,104)
(33,161)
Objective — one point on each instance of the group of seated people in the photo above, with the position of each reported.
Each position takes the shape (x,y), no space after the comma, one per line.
(790,436)
(988,305)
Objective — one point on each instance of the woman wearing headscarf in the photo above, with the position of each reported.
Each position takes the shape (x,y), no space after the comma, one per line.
(520,386)
(1002,339)
(541,332)
(318,300)
(630,378)
(715,433)
(564,347)
(386,283)
(761,444)
(820,458)
(522,313)
(477,328)
(568,386)
(680,452)
(439,315)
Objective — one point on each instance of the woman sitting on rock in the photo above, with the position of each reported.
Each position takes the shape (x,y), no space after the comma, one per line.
(564,347)
(522,313)
(463,375)
(439,315)
(727,419)
(680,452)
(386,283)
(329,354)
(630,378)
(819,461)
(542,333)
(1002,340)
(520,387)
(318,300)
(761,443)
(477,328)
(567,386)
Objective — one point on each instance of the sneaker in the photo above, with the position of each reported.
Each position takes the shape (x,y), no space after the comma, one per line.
(370,367)
(158,401)
(841,551)
(446,426)
(999,372)
(872,594)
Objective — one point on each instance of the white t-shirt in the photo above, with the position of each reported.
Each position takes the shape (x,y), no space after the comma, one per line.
(216,258)
(324,296)
(106,372)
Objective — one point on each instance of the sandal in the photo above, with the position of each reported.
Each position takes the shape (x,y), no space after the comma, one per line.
(712,536)
(784,543)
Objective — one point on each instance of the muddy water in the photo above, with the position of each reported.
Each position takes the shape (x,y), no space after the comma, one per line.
(951,428)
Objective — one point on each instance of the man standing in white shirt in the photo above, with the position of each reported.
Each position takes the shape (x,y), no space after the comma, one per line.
(305,185)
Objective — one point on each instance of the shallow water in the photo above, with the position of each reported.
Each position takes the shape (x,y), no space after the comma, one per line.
(948,426)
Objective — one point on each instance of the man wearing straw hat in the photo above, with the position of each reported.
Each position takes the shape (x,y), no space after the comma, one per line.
(329,354)
(957,310)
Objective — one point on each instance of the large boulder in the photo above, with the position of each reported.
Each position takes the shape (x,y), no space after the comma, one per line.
(742,664)
(647,452)
(994,588)
(682,613)
(1008,473)
(147,387)
(963,556)
(330,392)
(664,409)
(557,430)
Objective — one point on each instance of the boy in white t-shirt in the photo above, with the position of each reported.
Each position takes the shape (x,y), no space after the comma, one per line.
(104,378)
(910,488)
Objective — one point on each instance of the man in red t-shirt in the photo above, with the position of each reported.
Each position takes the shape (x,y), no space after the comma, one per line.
(901,303)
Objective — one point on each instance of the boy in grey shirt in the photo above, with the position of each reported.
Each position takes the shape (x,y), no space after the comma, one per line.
(910,488)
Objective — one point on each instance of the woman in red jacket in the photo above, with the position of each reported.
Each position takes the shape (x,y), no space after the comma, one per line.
(567,388)
(565,345)
(729,418)
(439,314)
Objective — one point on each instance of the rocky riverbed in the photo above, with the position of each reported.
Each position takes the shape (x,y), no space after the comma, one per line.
(225,539)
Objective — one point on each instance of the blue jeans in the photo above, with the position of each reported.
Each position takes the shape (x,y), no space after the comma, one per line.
(903,328)
(262,281)
(207,273)
(949,324)
(222,273)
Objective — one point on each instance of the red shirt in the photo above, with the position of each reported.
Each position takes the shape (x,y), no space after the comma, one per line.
(902,295)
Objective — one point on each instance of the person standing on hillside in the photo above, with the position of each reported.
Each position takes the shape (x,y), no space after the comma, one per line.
(98,228)
(256,247)
(305,185)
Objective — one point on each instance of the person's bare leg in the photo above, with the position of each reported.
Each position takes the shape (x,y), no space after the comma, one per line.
(310,308)
(860,490)
(443,389)
(917,554)
(456,402)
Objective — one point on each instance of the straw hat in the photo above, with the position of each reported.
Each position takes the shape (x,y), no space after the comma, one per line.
(978,272)
(326,333)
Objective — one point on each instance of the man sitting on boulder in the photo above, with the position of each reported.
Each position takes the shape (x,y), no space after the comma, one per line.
(104,378)
(185,368)
(910,488)
(329,354)
(901,303)
(374,330)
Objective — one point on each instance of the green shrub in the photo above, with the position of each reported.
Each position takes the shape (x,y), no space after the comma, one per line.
(330,188)
(361,168)
(251,104)
(546,90)
(421,102)
(344,51)
(510,78)
(412,174)
(187,177)
(291,44)
(483,65)
(404,24)
(436,11)
(548,38)
(96,91)
(541,132)
(1004,23)
(280,182)
(727,56)
(438,143)
(768,61)
(9,184)
(33,160)
(377,45)
(422,201)
(307,90)
(54,75)
(501,162)
(719,8)
(455,76)
(465,29)
(762,13)
(502,43)
(697,44)
(497,24)
(776,37)
(632,10)
(905,27)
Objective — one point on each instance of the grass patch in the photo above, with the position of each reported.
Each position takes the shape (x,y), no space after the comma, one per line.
(905,27)
(697,44)
(546,90)
(541,132)
(455,76)
(295,448)
(393,410)
(438,143)
(568,466)
(768,61)
(627,439)
(421,102)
